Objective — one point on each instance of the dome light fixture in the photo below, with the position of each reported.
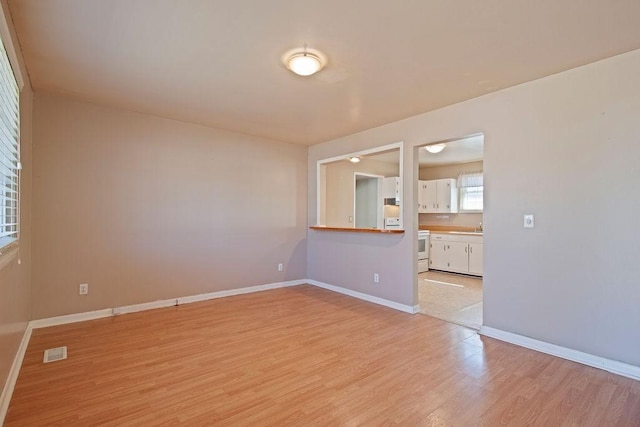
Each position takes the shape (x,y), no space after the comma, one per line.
(354,159)
(435,148)
(304,62)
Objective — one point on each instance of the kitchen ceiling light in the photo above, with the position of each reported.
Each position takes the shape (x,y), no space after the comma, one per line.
(304,63)
(354,159)
(435,148)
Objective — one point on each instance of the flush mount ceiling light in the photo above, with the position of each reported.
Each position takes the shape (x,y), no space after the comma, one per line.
(304,62)
(354,159)
(435,148)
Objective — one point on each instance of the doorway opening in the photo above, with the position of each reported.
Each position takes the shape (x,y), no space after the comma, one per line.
(450,237)
(368,202)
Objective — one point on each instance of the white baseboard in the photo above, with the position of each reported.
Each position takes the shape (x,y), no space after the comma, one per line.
(613,366)
(71,318)
(108,312)
(387,303)
(10,384)
(248,290)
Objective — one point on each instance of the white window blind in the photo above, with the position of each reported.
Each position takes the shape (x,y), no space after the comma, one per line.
(9,151)
(471,189)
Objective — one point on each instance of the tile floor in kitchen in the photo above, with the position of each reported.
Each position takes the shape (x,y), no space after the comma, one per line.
(455,298)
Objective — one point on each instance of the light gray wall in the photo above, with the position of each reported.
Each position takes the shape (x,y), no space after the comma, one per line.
(564,148)
(143,208)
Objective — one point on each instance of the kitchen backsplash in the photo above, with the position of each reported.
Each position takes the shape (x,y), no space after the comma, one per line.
(391,211)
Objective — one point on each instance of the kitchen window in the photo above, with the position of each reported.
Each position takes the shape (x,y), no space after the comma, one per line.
(9,152)
(471,191)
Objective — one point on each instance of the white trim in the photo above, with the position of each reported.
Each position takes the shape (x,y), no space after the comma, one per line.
(10,384)
(387,303)
(108,312)
(613,366)
(240,291)
(70,318)
(399,145)
(10,47)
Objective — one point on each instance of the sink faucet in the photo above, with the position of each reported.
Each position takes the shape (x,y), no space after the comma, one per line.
(479,228)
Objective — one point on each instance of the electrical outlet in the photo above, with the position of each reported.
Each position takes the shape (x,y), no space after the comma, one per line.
(376,278)
(83,289)
(280,267)
(529,221)
(350,219)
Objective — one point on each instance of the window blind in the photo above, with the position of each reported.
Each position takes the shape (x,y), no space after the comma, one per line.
(471,188)
(9,150)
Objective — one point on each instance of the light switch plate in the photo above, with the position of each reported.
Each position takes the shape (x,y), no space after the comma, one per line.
(529,221)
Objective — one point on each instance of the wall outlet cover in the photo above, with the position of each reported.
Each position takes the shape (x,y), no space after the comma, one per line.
(529,221)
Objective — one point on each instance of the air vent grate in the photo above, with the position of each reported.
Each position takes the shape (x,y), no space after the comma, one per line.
(55,354)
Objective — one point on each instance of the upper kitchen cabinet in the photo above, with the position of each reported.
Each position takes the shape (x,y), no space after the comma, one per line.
(438,196)
(391,188)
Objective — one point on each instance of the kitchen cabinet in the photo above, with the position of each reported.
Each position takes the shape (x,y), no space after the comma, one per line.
(391,188)
(426,193)
(438,256)
(457,253)
(438,196)
(475,259)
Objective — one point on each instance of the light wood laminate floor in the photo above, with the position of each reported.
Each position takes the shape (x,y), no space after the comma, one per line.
(303,356)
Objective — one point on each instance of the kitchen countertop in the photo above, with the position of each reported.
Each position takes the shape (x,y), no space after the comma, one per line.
(356,230)
(460,231)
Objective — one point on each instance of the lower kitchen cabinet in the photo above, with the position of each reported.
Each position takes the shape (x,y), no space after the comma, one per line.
(457,253)
(475,258)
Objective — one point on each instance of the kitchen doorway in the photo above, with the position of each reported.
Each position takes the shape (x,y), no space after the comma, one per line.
(449,209)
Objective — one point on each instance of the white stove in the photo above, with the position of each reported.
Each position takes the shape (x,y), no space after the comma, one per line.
(392,223)
(423,250)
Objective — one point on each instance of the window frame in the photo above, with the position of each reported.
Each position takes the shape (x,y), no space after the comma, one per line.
(463,190)
(10,144)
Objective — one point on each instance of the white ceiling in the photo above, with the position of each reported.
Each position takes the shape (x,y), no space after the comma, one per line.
(464,150)
(218,62)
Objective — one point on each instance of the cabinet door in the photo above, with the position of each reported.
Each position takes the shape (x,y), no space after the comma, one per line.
(438,255)
(389,187)
(458,256)
(445,196)
(422,196)
(431,196)
(475,258)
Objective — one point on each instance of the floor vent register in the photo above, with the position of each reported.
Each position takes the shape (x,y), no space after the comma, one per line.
(55,354)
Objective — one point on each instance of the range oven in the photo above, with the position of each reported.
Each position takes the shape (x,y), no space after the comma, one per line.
(423,250)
